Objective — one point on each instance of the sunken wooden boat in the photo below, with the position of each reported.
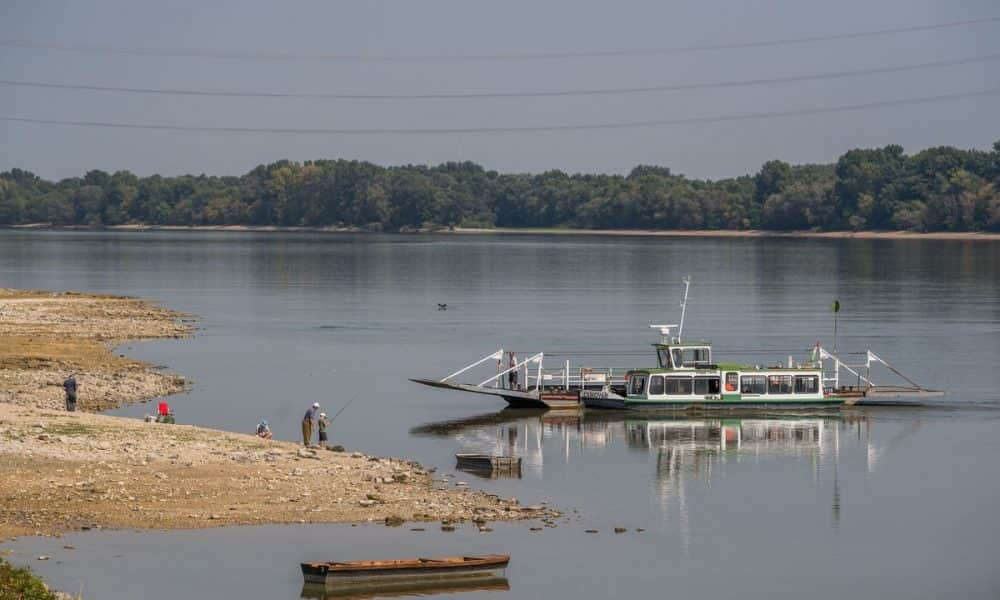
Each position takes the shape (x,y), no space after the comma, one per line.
(488,462)
(387,575)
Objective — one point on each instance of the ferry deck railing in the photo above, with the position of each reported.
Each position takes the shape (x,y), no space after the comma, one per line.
(834,377)
(537,358)
(498,355)
(581,377)
(866,379)
(534,376)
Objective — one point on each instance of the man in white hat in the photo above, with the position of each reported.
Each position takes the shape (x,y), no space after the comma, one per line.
(307,424)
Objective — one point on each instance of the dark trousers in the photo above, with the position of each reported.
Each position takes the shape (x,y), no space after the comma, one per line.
(71,402)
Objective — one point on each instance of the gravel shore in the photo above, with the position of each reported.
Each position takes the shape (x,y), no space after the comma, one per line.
(62,471)
(69,471)
(45,336)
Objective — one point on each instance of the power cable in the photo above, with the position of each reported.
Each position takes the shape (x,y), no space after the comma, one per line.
(281,56)
(521,94)
(521,129)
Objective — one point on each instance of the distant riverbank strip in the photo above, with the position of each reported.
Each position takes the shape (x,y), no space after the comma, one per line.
(63,471)
(667,233)
(717,233)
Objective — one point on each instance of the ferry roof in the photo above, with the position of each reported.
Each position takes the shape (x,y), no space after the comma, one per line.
(682,344)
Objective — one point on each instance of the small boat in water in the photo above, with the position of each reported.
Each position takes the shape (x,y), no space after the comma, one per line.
(412,573)
(489,465)
(685,376)
(488,461)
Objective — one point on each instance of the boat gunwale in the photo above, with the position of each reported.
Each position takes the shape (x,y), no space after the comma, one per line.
(454,563)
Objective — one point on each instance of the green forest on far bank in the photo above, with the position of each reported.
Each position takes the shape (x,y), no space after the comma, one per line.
(938,189)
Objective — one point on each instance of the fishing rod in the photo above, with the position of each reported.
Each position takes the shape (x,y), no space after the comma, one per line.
(344,407)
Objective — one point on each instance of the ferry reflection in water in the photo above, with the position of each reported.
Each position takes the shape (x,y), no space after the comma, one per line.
(683,448)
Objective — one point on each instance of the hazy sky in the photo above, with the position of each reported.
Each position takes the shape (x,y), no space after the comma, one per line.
(477,27)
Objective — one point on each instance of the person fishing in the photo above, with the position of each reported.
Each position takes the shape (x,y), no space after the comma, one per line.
(322,422)
(307,424)
(70,387)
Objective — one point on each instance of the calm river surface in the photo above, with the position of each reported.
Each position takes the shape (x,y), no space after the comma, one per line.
(874,502)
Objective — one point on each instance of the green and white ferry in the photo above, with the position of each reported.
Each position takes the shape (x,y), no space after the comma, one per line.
(686,377)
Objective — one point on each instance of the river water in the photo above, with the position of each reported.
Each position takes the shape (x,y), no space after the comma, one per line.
(879,501)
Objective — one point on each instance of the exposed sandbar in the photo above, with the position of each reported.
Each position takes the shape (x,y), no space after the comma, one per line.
(45,336)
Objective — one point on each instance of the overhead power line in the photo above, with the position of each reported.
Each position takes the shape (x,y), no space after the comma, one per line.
(515,129)
(283,56)
(517,94)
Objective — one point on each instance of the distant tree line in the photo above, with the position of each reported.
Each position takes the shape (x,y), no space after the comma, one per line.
(939,189)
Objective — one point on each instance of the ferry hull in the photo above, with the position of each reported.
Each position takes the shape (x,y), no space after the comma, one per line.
(720,405)
(514,398)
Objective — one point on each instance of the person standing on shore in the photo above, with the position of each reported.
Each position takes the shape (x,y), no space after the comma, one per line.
(307,424)
(322,422)
(70,386)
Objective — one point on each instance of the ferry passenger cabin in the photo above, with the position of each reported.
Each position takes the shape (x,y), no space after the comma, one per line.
(686,376)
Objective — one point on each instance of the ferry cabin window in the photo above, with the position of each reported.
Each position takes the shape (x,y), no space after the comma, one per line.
(806,384)
(689,357)
(694,356)
(677,385)
(753,384)
(779,384)
(732,380)
(664,358)
(704,386)
(655,386)
(637,385)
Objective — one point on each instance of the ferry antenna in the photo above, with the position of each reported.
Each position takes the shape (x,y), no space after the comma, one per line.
(684,302)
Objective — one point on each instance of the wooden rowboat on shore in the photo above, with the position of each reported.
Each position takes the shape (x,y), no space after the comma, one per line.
(387,575)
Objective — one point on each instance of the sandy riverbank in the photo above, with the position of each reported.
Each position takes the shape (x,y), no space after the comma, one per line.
(63,471)
(751,233)
(682,233)
(45,336)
